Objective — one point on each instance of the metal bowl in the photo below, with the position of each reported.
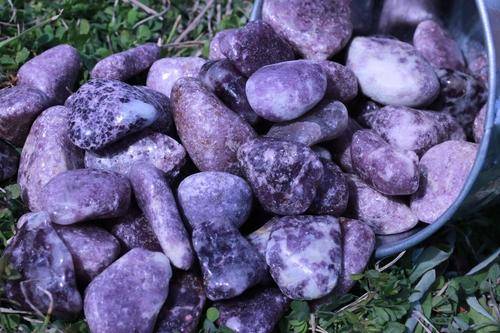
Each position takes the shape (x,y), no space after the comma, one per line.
(478,20)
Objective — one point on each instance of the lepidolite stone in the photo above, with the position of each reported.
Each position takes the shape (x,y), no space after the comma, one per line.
(158,149)
(54,72)
(286,90)
(284,175)
(19,107)
(165,123)
(341,146)
(392,72)
(389,170)
(128,295)
(47,277)
(260,237)
(92,248)
(229,263)
(385,215)
(477,60)
(324,122)
(341,83)
(257,311)
(253,46)
(85,194)
(47,152)
(165,72)
(124,65)
(478,126)
(317,29)
(215,52)
(437,46)
(157,202)
(184,307)
(210,132)
(304,254)
(443,170)
(9,160)
(215,195)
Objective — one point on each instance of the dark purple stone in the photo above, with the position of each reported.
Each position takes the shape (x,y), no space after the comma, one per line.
(341,146)
(165,122)
(341,83)
(9,160)
(477,60)
(215,52)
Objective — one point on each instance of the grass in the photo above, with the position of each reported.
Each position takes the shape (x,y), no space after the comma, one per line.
(426,289)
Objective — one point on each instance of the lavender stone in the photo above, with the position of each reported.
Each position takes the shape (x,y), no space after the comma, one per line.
(9,161)
(47,152)
(317,29)
(341,146)
(85,194)
(341,83)
(45,267)
(128,295)
(215,52)
(157,202)
(165,123)
(332,194)
(284,175)
(124,65)
(477,60)
(54,72)
(478,126)
(260,237)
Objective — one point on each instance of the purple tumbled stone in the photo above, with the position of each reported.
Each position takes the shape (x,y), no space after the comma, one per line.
(341,146)
(215,52)
(341,83)
(165,123)
(128,295)
(9,160)
(85,194)
(260,237)
(478,126)
(477,60)
(54,72)
(322,152)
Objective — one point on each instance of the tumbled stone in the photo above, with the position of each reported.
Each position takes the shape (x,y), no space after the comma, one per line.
(158,149)
(92,248)
(478,126)
(392,72)
(257,311)
(157,202)
(253,46)
(229,263)
(165,72)
(47,152)
(124,65)
(165,123)
(260,237)
(215,52)
(210,132)
(443,170)
(437,46)
(54,72)
(224,80)
(284,175)
(341,83)
(322,152)
(341,146)
(476,56)
(215,195)
(9,160)
(19,107)
(389,170)
(184,307)
(105,111)
(128,295)
(324,122)
(304,254)
(384,214)
(85,194)
(47,278)
(332,193)
(317,29)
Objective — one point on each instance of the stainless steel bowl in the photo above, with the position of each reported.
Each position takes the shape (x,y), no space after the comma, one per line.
(479,20)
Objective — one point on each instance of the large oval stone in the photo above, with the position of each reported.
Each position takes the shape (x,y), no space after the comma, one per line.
(9,160)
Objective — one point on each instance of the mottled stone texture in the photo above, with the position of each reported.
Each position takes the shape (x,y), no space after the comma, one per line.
(260,237)
(157,202)
(215,52)
(392,72)
(317,29)
(92,248)
(304,254)
(478,126)
(284,175)
(223,79)
(45,266)
(184,307)
(124,65)
(215,195)
(105,111)
(85,194)
(9,160)
(19,107)
(129,294)
(165,123)
(324,122)
(341,146)
(46,153)
(443,172)
(158,149)
(210,132)
(257,311)
(54,72)
(229,263)
(165,72)
(385,215)
(341,83)
(286,90)
(253,46)
(437,46)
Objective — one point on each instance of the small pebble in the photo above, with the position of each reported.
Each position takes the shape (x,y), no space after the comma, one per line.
(341,83)
(476,56)
(165,123)
(9,160)
(215,52)
(341,146)
(478,126)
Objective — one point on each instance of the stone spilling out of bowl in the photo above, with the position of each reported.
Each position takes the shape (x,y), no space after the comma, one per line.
(242,182)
